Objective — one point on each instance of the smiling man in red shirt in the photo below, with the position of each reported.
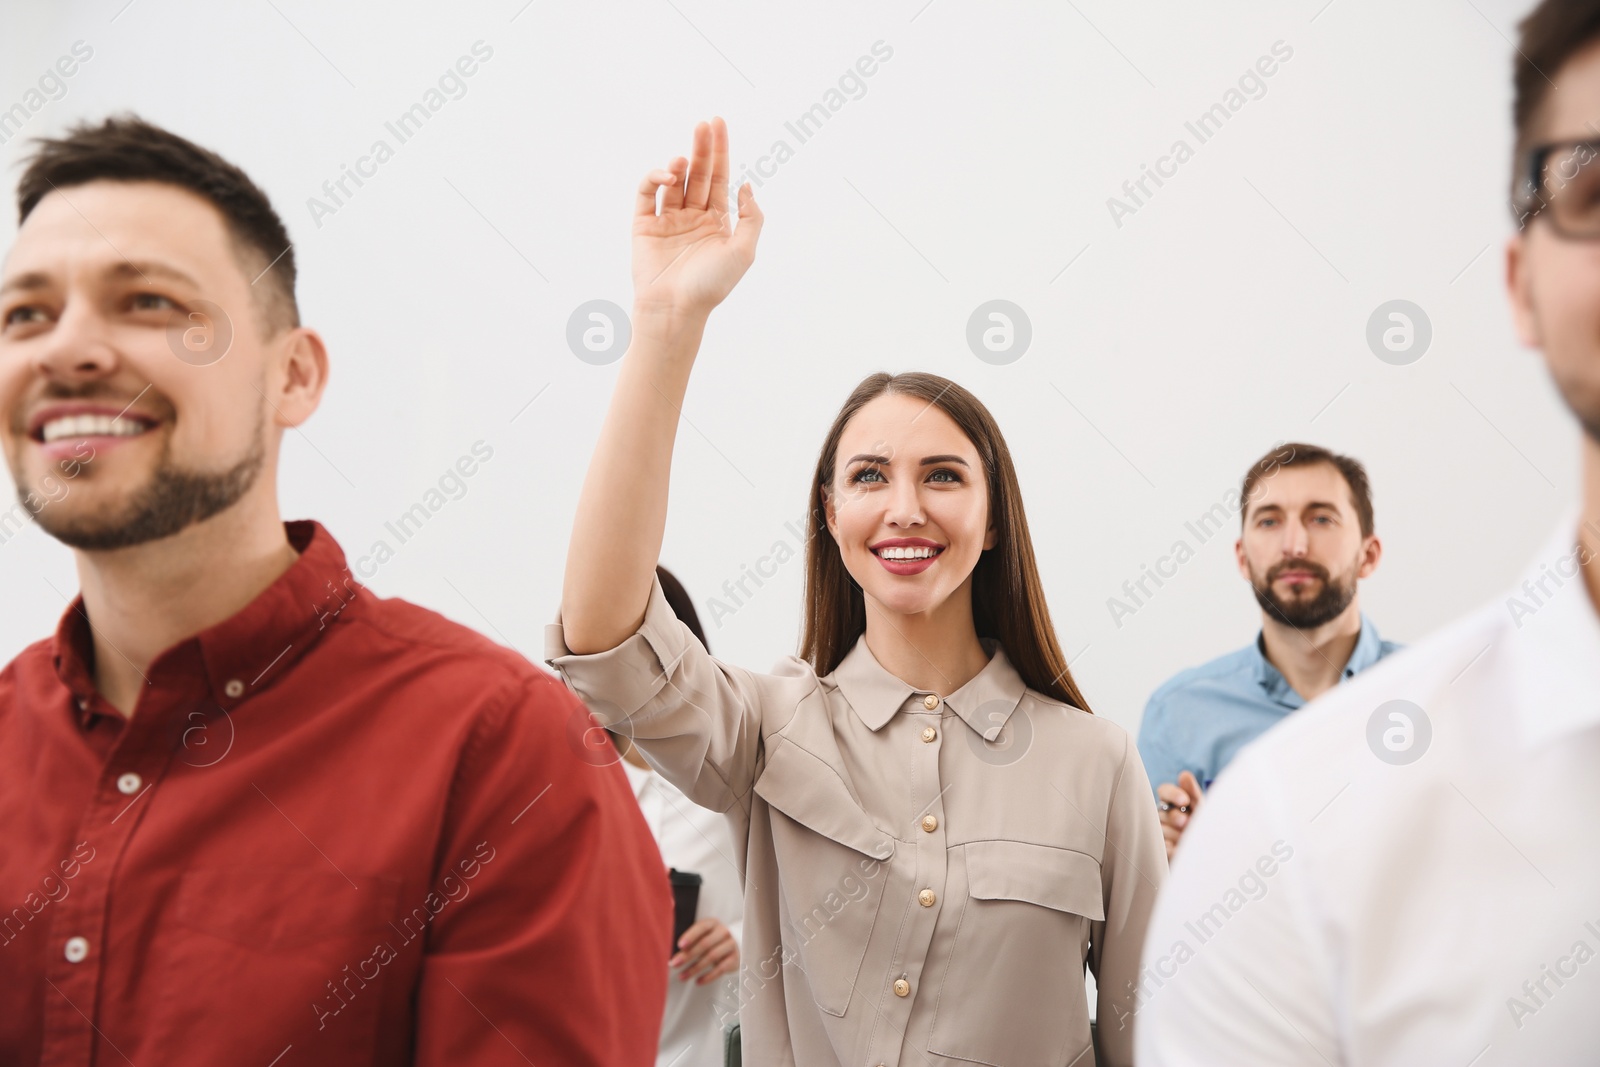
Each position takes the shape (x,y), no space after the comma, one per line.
(253,813)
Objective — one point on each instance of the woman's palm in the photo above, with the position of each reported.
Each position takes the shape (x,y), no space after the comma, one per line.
(690,256)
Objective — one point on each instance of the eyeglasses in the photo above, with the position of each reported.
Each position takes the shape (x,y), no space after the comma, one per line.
(1561,183)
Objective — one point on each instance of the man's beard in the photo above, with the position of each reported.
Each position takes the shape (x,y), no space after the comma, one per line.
(170,502)
(1588,419)
(1580,395)
(1301,614)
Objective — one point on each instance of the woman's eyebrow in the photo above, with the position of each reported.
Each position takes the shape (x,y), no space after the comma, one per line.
(927,461)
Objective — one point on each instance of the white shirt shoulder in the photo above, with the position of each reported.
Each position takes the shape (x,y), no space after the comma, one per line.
(1374,880)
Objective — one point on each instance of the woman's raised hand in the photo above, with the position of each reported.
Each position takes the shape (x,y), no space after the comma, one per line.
(690,256)
(685,261)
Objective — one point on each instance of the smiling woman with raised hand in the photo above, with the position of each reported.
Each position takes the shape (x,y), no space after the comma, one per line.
(936,834)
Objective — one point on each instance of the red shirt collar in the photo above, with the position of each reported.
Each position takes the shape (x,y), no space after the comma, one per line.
(247,652)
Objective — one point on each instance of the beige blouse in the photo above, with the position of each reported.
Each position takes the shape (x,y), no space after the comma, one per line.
(925,874)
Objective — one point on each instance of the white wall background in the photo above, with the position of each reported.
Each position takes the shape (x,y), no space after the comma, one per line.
(1228,313)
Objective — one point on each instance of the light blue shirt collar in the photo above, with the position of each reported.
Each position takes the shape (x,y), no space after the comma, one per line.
(1368,650)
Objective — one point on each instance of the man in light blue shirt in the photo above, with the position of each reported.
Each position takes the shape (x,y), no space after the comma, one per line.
(1306,540)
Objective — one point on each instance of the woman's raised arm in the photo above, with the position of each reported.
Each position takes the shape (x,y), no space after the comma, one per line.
(686,259)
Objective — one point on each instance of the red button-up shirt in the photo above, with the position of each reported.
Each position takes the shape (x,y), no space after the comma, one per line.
(337,830)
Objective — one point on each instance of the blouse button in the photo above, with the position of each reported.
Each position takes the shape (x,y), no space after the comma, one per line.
(902,988)
(233,687)
(929,823)
(929,733)
(129,784)
(77,950)
(930,701)
(926,898)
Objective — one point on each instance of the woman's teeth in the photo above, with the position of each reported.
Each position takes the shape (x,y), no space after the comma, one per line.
(907,552)
(91,426)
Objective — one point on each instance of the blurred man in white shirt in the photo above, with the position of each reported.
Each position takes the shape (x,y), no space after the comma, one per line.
(1404,872)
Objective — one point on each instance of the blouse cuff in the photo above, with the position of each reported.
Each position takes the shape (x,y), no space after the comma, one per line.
(616,683)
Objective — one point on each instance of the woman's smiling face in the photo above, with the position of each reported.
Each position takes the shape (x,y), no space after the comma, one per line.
(908,504)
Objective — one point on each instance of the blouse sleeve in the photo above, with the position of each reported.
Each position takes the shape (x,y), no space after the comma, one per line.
(696,719)
(1133,869)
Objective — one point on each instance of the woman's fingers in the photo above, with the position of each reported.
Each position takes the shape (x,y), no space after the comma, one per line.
(691,253)
(672,199)
(725,967)
(698,936)
(645,202)
(701,183)
(690,959)
(699,193)
(719,961)
(692,942)
(750,220)
(706,938)
(718,201)
(697,931)
(708,954)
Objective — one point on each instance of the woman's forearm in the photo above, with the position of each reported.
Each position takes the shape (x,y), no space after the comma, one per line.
(622,510)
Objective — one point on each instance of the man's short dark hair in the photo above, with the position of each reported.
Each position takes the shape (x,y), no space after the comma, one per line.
(126,148)
(1552,33)
(1295,454)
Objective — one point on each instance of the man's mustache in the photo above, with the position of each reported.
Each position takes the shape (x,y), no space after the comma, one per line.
(153,402)
(1316,570)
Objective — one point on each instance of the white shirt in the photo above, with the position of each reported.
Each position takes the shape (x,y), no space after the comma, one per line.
(1328,906)
(692,838)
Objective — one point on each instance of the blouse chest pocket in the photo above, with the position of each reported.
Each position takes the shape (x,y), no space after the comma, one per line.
(832,865)
(1019,955)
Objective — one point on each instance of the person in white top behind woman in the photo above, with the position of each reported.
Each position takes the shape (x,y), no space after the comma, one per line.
(1405,871)
(936,835)
(702,998)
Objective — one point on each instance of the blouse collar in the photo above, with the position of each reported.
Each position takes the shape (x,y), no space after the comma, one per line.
(984,703)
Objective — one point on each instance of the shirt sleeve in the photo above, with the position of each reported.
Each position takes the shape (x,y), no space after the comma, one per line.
(696,719)
(1160,765)
(1132,870)
(551,910)
(1235,970)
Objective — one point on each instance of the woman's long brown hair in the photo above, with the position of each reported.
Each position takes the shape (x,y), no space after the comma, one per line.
(1007,596)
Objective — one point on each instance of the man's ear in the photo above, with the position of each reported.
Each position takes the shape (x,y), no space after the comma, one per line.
(1238,557)
(1519,290)
(301,375)
(1371,553)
